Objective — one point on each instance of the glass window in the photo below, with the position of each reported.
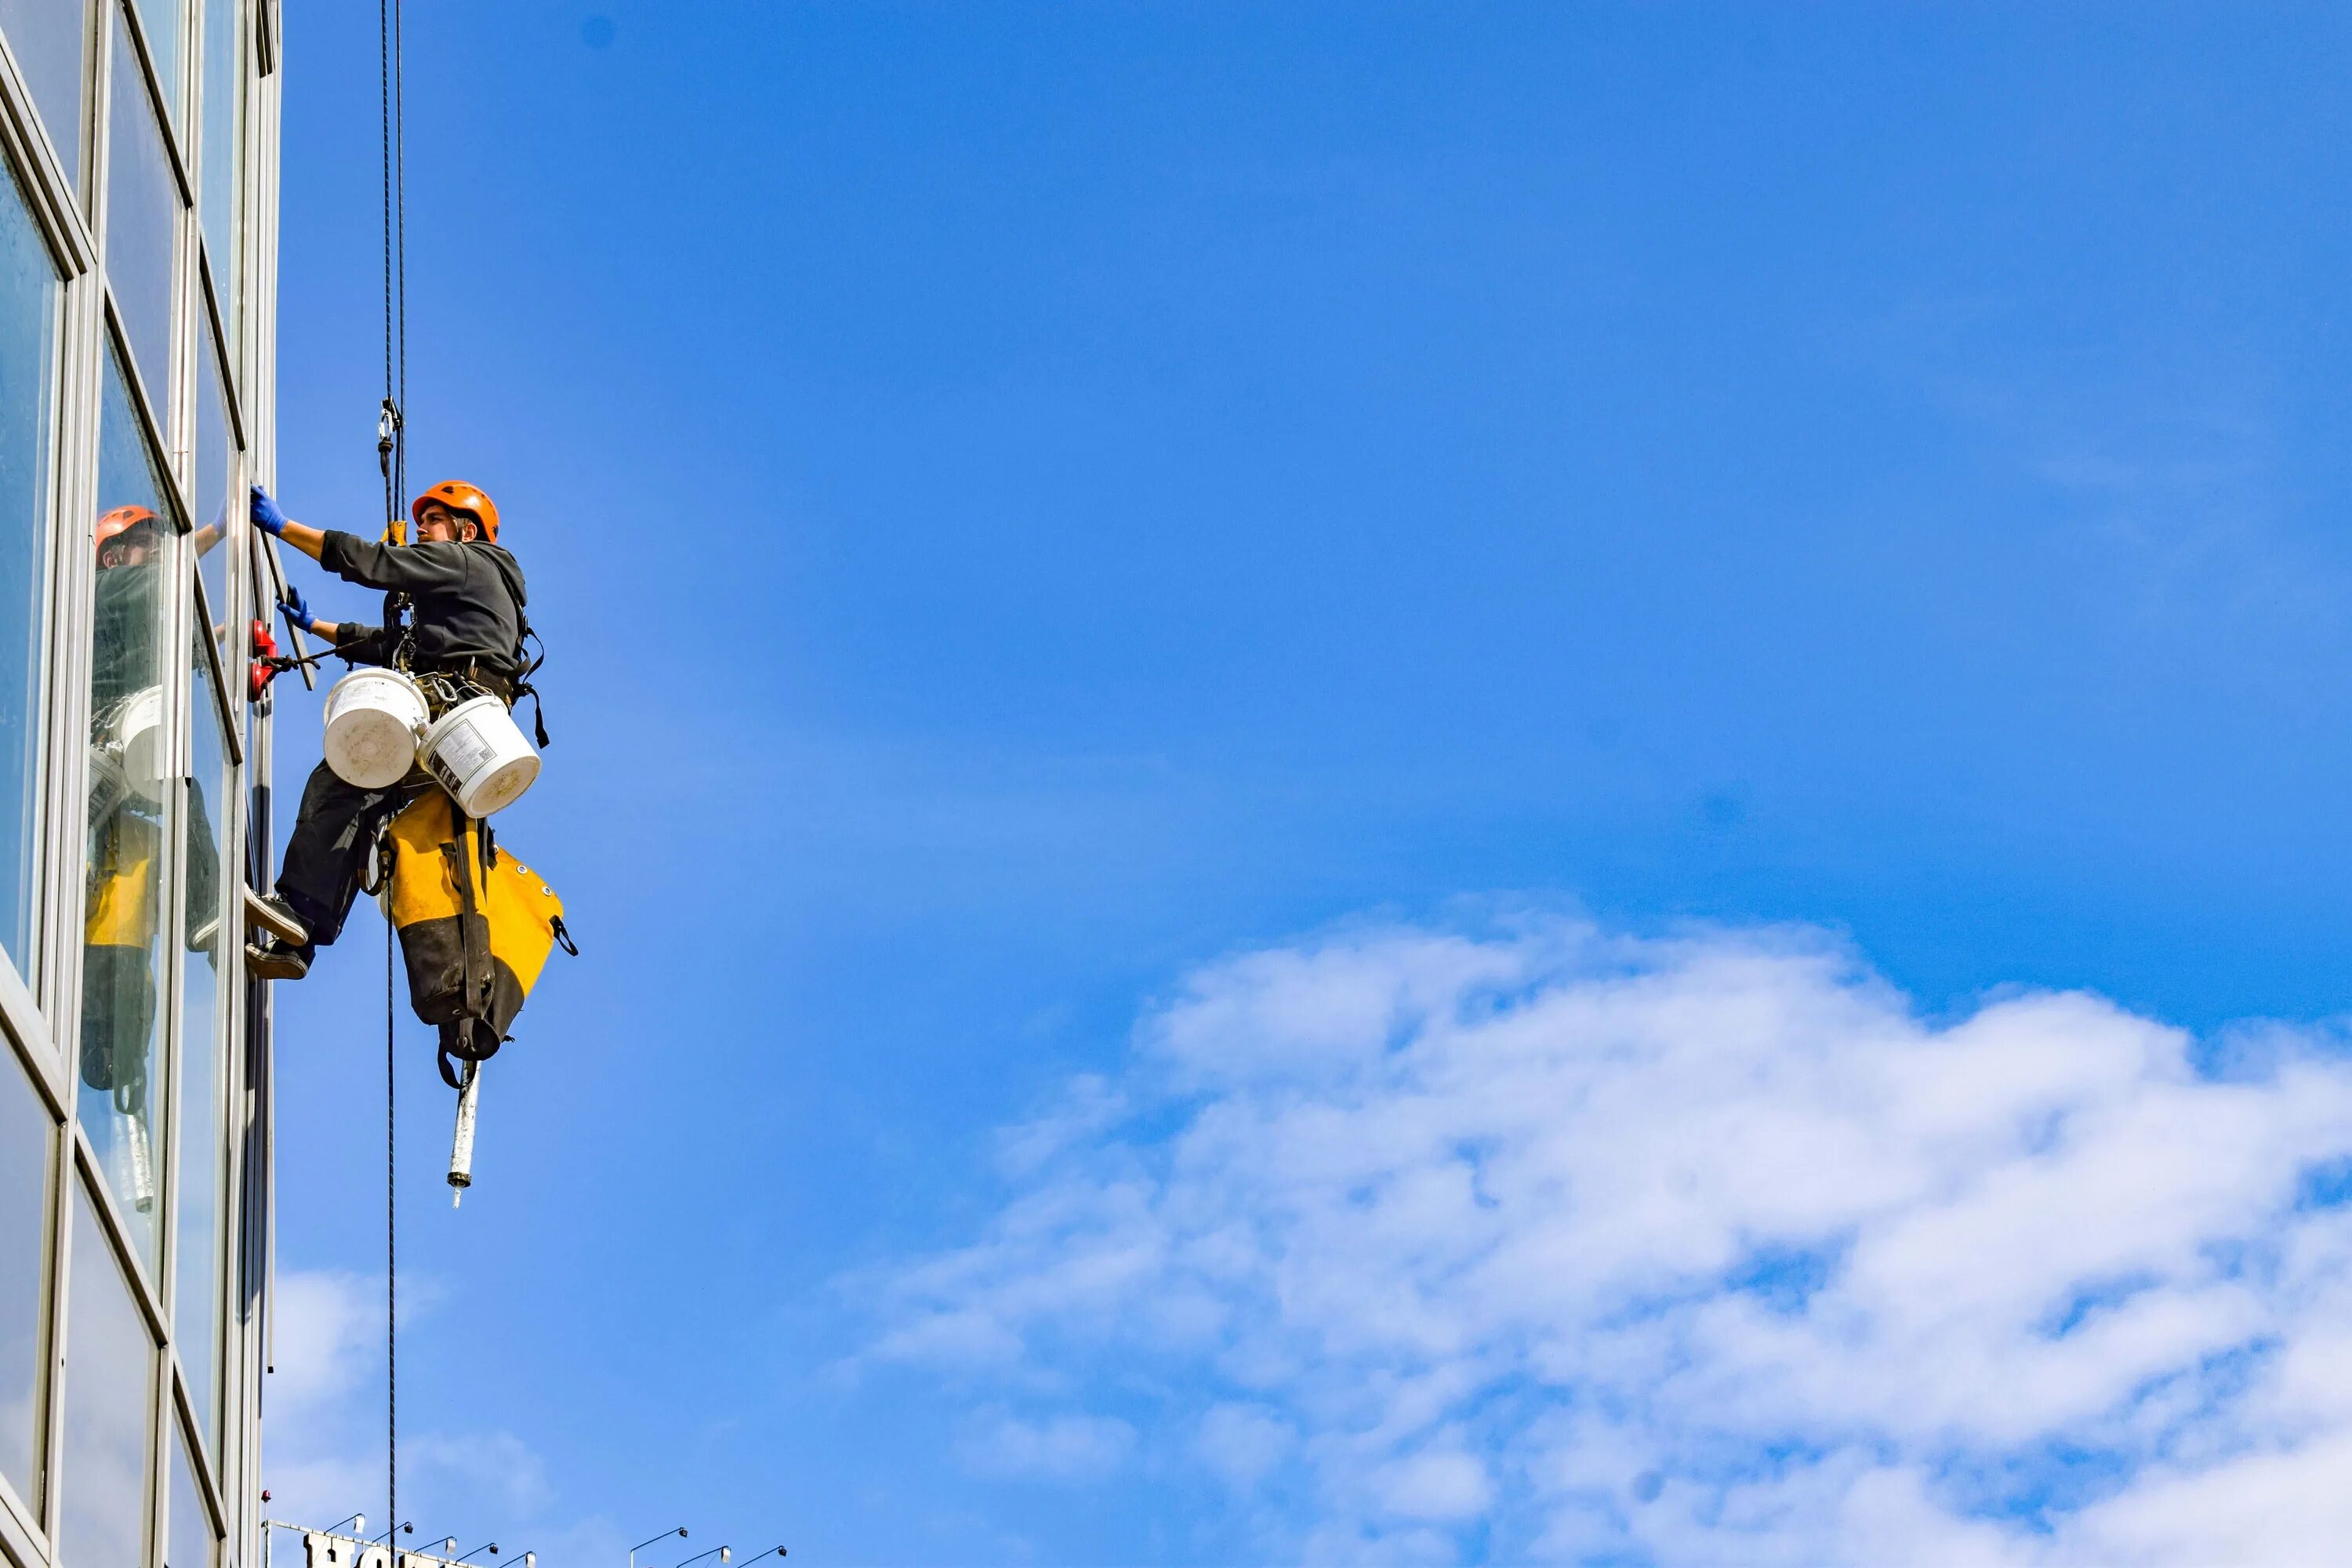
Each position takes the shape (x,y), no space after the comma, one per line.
(109,1385)
(216,493)
(160,21)
(195,1303)
(189,1540)
(142,205)
(223,178)
(29,305)
(25,1146)
(50,39)
(128,766)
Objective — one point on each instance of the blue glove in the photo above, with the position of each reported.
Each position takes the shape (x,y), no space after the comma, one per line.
(266,515)
(295,610)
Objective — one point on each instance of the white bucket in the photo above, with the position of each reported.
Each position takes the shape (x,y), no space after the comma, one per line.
(372,718)
(478,753)
(135,735)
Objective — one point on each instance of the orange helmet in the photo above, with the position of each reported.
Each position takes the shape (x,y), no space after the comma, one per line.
(459,496)
(121,520)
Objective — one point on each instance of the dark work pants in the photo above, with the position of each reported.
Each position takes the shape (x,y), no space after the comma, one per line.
(333,834)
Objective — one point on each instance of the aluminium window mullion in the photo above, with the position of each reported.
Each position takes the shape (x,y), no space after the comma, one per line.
(25,1529)
(212,654)
(22,1538)
(208,316)
(144,56)
(56,189)
(51,199)
(180,1416)
(171,927)
(62,1161)
(254,378)
(72,584)
(80,331)
(228,918)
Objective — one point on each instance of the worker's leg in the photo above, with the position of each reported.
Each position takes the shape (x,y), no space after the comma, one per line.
(333,834)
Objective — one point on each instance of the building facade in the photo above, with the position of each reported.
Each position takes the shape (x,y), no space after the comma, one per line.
(138,200)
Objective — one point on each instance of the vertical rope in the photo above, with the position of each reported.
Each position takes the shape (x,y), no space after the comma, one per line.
(400,256)
(392,455)
(383,89)
(390,1253)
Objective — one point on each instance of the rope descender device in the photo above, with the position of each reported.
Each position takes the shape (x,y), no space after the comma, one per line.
(388,425)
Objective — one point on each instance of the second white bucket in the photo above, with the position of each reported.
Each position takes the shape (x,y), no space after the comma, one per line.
(372,718)
(136,733)
(478,753)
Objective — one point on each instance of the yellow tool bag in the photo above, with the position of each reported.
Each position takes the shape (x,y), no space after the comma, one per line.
(118,1009)
(476,926)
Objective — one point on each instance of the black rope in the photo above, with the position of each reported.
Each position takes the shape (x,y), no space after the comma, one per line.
(384,89)
(400,253)
(392,456)
(390,1247)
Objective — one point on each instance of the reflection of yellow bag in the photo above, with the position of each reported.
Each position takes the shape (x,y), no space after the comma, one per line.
(121,894)
(476,925)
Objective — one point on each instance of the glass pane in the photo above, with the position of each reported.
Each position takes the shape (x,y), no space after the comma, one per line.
(108,1390)
(128,766)
(160,20)
(29,297)
(142,201)
(48,39)
(188,1539)
(216,485)
(195,1304)
(223,180)
(25,1146)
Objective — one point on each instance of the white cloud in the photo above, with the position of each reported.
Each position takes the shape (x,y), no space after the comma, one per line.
(1058,1448)
(1546,1243)
(1243,1443)
(322,1419)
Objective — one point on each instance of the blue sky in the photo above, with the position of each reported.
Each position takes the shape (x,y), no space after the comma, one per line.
(1032,505)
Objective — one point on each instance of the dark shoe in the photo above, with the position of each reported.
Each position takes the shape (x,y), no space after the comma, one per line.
(277,917)
(270,959)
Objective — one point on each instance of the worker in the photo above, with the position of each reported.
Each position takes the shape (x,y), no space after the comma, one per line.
(466,627)
(125,845)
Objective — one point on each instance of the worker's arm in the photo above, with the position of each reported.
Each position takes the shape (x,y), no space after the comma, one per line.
(307,539)
(270,519)
(407,568)
(349,638)
(403,568)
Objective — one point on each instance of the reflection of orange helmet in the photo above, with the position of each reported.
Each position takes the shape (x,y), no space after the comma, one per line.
(121,520)
(459,496)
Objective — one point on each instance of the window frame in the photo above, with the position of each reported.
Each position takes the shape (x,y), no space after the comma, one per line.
(41,1004)
(123,1247)
(23,1524)
(22,989)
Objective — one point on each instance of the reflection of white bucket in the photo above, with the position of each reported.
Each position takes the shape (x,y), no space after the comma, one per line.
(478,753)
(135,736)
(373,717)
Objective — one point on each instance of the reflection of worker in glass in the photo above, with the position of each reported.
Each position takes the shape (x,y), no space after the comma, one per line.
(129,596)
(466,625)
(126,772)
